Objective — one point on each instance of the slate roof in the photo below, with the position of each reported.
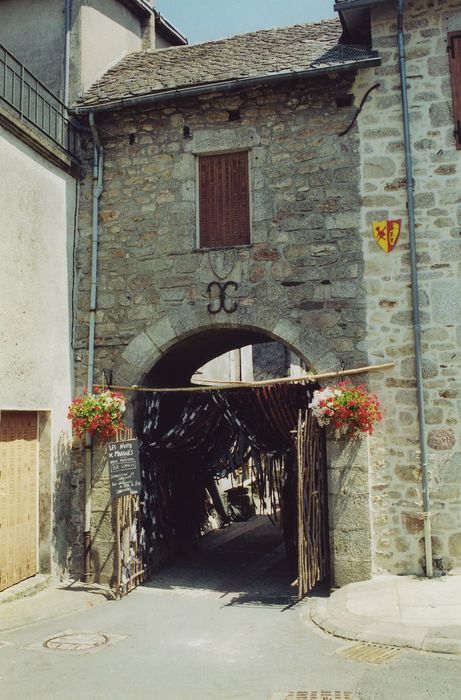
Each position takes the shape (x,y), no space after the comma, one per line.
(272,52)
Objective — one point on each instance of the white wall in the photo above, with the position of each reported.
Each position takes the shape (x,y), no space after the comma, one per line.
(161,43)
(37,207)
(233,366)
(102,32)
(108,31)
(33,31)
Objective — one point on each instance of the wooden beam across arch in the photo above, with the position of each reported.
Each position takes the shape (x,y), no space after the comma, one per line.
(219,386)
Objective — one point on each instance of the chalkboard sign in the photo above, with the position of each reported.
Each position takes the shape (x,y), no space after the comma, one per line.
(124,469)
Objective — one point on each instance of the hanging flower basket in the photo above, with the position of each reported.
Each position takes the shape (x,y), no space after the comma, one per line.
(350,409)
(100,413)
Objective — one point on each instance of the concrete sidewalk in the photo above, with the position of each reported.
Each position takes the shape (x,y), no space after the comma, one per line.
(29,603)
(403,611)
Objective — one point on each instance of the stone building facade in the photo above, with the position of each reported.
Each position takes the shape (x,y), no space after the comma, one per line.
(396,477)
(298,281)
(313,276)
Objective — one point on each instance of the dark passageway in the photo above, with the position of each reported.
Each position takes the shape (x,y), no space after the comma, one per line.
(246,562)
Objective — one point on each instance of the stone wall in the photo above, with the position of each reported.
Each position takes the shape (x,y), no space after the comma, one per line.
(301,279)
(304,262)
(396,477)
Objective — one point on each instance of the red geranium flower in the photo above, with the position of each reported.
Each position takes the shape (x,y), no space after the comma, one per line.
(349,409)
(99,412)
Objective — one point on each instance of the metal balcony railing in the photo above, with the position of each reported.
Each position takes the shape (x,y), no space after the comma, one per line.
(32,102)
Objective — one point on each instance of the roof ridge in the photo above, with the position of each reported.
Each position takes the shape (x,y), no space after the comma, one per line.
(222,40)
(327,20)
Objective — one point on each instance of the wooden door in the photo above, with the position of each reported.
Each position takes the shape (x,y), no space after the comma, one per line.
(18,497)
(312,504)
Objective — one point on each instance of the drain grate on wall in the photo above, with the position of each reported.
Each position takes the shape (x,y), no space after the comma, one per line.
(314,695)
(369,653)
(86,641)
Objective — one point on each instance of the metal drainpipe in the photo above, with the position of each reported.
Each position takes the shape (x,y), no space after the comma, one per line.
(98,165)
(67,23)
(415,293)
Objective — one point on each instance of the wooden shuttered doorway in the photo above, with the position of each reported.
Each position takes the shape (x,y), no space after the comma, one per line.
(18,496)
(224,200)
(454,52)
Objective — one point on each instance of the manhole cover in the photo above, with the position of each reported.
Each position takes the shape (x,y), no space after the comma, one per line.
(314,695)
(85,641)
(370,653)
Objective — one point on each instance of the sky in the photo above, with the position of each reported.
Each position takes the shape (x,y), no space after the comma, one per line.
(204,20)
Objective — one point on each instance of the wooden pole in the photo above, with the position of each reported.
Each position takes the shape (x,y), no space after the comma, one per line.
(299,506)
(216,386)
(118,559)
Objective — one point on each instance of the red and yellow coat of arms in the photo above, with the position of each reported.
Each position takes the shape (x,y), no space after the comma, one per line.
(387,233)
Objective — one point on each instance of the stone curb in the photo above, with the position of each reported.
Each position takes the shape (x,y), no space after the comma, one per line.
(332,618)
(26,588)
(53,602)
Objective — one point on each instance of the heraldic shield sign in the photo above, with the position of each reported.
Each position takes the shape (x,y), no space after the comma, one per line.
(387,233)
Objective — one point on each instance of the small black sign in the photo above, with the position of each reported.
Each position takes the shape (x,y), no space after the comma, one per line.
(124,469)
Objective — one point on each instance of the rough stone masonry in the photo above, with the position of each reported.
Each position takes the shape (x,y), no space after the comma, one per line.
(395,457)
(300,280)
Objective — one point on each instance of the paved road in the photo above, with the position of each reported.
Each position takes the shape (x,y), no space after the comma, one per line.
(216,626)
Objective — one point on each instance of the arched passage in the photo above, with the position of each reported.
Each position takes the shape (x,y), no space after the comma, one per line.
(171,348)
(247,434)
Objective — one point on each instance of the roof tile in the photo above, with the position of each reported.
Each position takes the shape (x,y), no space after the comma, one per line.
(258,54)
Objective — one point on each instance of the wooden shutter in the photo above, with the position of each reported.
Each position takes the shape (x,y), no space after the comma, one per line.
(454,52)
(224,200)
(18,497)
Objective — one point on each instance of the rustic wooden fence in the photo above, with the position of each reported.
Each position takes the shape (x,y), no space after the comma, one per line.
(312,504)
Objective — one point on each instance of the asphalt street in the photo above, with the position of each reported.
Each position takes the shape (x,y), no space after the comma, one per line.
(218,625)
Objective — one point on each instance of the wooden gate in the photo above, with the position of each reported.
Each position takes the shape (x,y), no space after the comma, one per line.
(128,551)
(312,504)
(18,497)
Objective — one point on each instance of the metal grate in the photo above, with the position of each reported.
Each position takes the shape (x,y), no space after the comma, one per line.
(369,653)
(32,102)
(314,695)
(345,53)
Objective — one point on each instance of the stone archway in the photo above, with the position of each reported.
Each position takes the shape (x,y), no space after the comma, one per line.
(348,463)
(145,350)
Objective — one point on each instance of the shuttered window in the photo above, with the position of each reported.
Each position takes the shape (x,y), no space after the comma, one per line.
(224,200)
(454,52)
